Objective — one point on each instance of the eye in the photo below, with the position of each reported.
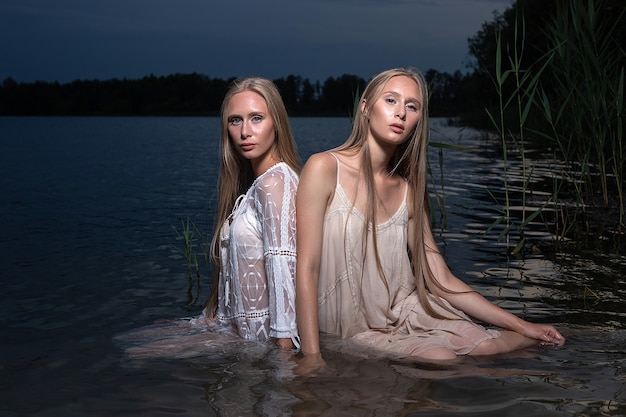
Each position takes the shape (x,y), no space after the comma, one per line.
(235,121)
(257,118)
(412,107)
(390,100)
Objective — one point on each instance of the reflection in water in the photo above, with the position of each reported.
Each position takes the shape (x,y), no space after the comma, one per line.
(249,378)
(362,387)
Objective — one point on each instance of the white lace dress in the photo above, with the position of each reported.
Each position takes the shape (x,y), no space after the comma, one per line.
(258,250)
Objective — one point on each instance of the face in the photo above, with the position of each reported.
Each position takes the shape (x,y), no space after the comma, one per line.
(394,115)
(251,130)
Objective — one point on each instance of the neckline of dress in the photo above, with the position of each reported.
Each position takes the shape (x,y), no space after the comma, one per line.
(243,196)
(391,218)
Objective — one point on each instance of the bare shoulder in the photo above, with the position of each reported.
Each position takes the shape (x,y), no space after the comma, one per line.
(320,166)
(321,160)
(319,174)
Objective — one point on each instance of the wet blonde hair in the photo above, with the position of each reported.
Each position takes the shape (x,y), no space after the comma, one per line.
(236,174)
(408,161)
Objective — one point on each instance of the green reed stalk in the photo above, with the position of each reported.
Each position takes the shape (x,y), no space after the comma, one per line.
(500,78)
(523,97)
(187,235)
(618,149)
(562,221)
(526,88)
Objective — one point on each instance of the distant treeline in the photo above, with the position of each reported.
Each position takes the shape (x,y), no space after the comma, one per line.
(197,94)
(528,27)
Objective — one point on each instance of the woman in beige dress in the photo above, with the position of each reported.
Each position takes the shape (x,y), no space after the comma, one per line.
(368,266)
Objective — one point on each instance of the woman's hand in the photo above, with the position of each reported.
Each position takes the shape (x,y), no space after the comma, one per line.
(285,344)
(546,334)
(310,365)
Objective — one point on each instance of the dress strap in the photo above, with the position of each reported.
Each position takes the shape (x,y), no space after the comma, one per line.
(338,164)
(406,188)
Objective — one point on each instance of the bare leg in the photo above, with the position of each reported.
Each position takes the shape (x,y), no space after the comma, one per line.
(439,354)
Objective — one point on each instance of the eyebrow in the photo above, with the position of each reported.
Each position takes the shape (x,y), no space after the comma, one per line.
(249,114)
(395,93)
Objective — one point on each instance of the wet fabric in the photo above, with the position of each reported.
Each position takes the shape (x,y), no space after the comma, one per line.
(258,251)
(356,301)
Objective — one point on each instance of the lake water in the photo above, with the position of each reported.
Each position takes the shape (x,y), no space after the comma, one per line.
(89,215)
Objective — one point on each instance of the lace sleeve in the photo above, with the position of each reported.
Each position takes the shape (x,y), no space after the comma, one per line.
(276,206)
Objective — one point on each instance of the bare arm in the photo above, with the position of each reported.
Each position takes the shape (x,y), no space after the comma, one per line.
(464,298)
(316,187)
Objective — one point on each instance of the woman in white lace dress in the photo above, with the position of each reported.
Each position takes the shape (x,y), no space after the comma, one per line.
(368,266)
(254,245)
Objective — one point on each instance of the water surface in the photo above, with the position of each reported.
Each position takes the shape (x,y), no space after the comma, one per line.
(89,214)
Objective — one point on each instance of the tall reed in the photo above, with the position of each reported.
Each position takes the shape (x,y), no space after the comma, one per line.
(577,89)
(584,103)
(519,103)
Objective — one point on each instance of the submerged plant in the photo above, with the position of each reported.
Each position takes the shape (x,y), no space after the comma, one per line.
(187,235)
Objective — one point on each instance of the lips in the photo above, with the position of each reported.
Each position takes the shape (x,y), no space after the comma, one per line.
(246,146)
(397,127)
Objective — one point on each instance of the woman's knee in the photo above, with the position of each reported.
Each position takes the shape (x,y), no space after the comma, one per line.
(439,354)
(487,347)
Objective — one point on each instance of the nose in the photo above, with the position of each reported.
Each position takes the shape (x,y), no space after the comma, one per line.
(401,113)
(244,130)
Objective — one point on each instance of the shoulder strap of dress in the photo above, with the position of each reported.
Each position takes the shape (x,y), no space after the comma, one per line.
(336,159)
(406,188)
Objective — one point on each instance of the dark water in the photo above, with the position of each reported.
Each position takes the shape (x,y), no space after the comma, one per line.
(89,214)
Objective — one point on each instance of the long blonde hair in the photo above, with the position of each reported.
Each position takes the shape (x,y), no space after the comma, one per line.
(236,175)
(408,161)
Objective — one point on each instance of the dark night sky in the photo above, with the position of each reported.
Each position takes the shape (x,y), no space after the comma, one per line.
(65,40)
